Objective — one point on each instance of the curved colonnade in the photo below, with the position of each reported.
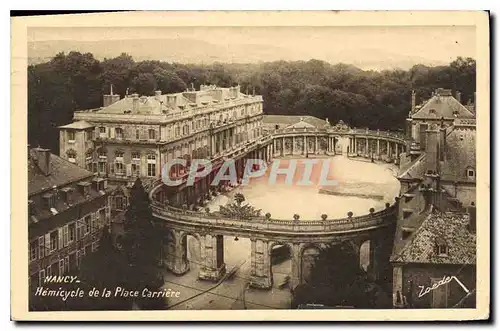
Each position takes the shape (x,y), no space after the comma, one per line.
(171,209)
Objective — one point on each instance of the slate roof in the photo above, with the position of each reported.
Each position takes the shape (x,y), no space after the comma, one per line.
(79,125)
(62,172)
(450,228)
(289,120)
(413,170)
(442,106)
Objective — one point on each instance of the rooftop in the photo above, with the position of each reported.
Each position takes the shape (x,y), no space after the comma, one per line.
(294,120)
(60,172)
(442,104)
(450,229)
(79,125)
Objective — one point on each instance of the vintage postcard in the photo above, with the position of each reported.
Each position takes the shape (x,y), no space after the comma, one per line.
(178,166)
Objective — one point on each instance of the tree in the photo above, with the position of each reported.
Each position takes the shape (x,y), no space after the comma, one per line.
(338,280)
(105,269)
(142,245)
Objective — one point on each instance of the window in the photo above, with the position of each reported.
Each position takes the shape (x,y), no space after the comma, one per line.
(151,134)
(471,173)
(65,234)
(442,249)
(102,216)
(136,156)
(41,246)
(136,169)
(102,154)
(88,155)
(95,246)
(118,133)
(33,250)
(71,136)
(120,203)
(137,134)
(61,267)
(177,131)
(72,156)
(49,270)
(71,232)
(41,276)
(102,130)
(87,224)
(53,240)
(119,169)
(151,165)
(102,167)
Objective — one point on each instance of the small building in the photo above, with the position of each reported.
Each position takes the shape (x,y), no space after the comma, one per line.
(67,209)
(435,266)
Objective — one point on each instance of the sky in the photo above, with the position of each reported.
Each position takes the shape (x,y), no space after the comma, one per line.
(441,44)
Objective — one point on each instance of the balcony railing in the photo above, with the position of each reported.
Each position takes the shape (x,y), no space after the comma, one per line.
(348,224)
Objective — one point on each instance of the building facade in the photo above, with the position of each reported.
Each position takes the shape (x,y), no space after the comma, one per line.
(67,209)
(438,181)
(137,135)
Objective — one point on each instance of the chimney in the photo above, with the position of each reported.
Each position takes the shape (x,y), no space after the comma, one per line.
(110,98)
(442,142)
(171,101)
(413,100)
(135,102)
(157,95)
(43,160)
(458,96)
(432,150)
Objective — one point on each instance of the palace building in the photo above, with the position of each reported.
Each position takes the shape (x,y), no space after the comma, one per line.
(67,209)
(137,135)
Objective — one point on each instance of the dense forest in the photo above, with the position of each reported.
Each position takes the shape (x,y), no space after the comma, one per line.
(378,100)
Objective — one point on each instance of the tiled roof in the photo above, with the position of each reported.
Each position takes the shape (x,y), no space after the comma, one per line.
(80,125)
(61,173)
(442,106)
(416,169)
(288,120)
(448,228)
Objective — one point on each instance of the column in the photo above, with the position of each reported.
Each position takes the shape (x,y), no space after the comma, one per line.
(212,255)
(367,151)
(295,279)
(293,144)
(378,148)
(355,145)
(316,147)
(260,264)
(306,146)
(388,149)
(179,265)
(283,146)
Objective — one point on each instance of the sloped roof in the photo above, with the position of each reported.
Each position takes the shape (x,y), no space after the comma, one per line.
(79,125)
(442,106)
(288,120)
(301,124)
(413,170)
(449,228)
(62,172)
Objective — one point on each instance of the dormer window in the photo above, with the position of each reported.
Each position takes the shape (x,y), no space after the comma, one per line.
(72,156)
(71,136)
(84,188)
(441,247)
(470,173)
(432,111)
(442,250)
(49,200)
(455,113)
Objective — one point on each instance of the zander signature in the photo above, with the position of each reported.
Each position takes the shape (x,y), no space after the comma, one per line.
(446,279)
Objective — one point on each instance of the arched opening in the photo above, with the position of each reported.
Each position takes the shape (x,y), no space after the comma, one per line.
(237,257)
(307,261)
(281,265)
(364,255)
